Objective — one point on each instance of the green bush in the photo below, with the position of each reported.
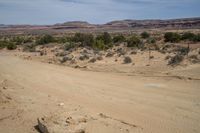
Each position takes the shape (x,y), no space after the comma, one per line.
(145,35)
(172,37)
(69,45)
(78,37)
(119,39)
(18,40)
(84,39)
(11,46)
(106,37)
(63,39)
(188,36)
(45,40)
(3,44)
(99,45)
(88,40)
(151,40)
(197,38)
(134,41)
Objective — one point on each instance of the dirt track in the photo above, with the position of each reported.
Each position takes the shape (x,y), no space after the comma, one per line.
(125,103)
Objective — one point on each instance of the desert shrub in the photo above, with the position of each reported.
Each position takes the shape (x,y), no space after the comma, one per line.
(69,45)
(182,50)
(172,37)
(177,59)
(11,46)
(3,44)
(145,35)
(27,39)
(197,38)
(78,37)
(188,36)
(127,60)
(119,39)
(151,40)
(45,40)
(88,40)
(84,39)
(63,39)
(18,40)
(105,37)
(99,45)
(134,41)
(29,48)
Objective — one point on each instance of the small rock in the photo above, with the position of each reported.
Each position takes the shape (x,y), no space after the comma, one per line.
(127,60)
(61,104)
(99,58)
(109,54)
(42,126)
(80,131)
(84,57)
(92,60)
(4,88)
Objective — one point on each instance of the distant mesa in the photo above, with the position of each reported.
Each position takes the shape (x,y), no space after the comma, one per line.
(128,24)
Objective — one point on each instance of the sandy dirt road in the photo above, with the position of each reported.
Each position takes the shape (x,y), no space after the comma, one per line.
(114,102)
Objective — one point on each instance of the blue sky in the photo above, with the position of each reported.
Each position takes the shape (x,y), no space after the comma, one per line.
(93,11)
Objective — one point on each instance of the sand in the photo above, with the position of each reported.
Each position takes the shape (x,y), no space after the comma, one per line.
(74,100)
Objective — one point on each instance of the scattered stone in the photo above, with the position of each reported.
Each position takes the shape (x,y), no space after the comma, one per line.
(177,59)
(82,120)
(61,104)
(151,57)
(42,125)
(133,52)
(109,54)
(84,57)
(62,53)
(168,57)
(92,60)
(80,131)
(127,60)
(66,58)
(41,53)
(99,58)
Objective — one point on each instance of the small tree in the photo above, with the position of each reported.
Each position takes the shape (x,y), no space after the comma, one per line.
(145,35)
